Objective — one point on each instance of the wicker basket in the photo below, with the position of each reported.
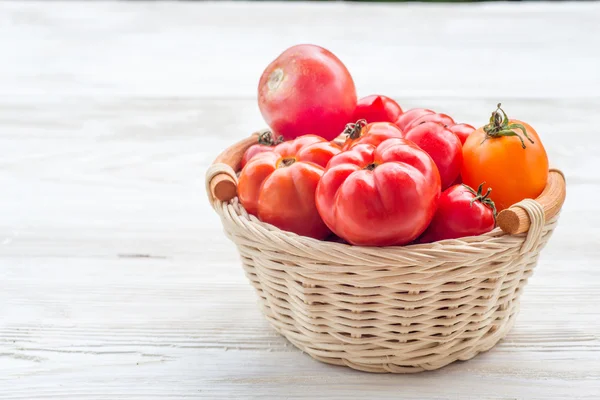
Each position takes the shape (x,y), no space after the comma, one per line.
(389,309)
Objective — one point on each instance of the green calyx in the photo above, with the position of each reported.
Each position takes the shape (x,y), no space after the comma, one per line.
(353,130)
(499,126)
(483,198)
(266,138)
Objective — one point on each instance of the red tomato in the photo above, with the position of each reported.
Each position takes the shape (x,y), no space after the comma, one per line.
(309,148)
(410,115)
(374,133)
(443,119)
(379,195)
(279,186)
(377,108)
(307,90)
(462,131)
(442,145)
(461,212)
(265,143)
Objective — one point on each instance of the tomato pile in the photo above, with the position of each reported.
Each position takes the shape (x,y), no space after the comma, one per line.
(366,172)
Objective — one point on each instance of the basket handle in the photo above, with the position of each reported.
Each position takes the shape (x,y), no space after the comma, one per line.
(223,186)
(515,219)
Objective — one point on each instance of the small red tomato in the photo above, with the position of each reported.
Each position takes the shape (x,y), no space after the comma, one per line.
(442,145)
(410,115)
(461,212)
(375,133)
(265,143)
(377,108)
(278,186)
(443,119)
(462,131)
(379,195)
(306,90)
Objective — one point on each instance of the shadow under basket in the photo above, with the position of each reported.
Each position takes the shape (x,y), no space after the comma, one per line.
(388,309)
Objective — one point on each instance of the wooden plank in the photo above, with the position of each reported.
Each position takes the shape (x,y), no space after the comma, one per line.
(116,280)
(147,287)
(216,50)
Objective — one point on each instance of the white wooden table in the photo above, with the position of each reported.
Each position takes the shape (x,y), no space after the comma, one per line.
(116,281)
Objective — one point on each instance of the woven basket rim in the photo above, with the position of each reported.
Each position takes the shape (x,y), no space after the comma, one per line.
(254,221)
(464,249)
(241,226)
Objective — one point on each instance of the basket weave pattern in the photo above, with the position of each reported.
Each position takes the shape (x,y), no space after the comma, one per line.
(393,309)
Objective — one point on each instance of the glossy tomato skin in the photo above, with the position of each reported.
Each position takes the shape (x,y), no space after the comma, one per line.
(442,119)
(442,145)
(309,148)
(458,216)
(373,133)
(278,186)
(515,173)
(307,90)
(410,115)
(253,151)
(265,142)
(457,181)
(293,147)
(462,131)
(377,108)
(379,195)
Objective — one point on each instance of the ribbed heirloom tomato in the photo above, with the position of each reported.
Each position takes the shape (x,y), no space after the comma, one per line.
(375,133)
(377,108)
(306,90)
(379,195)
(508,156)
(278,186)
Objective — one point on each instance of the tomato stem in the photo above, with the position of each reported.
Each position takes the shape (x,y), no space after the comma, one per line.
(482,198)
(353,130)
(266,138)
(500,126)
(286,162)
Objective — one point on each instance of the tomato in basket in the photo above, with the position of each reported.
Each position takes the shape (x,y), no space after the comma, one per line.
(461,212)
(374,133)
(442,145)
(509,156)
(306,90)
(265,143)
(462,131)
(442,119)
(379,195)
(377,108)
(278,186)
(409,116)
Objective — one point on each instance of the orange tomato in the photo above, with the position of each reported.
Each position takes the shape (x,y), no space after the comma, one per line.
(508,155)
